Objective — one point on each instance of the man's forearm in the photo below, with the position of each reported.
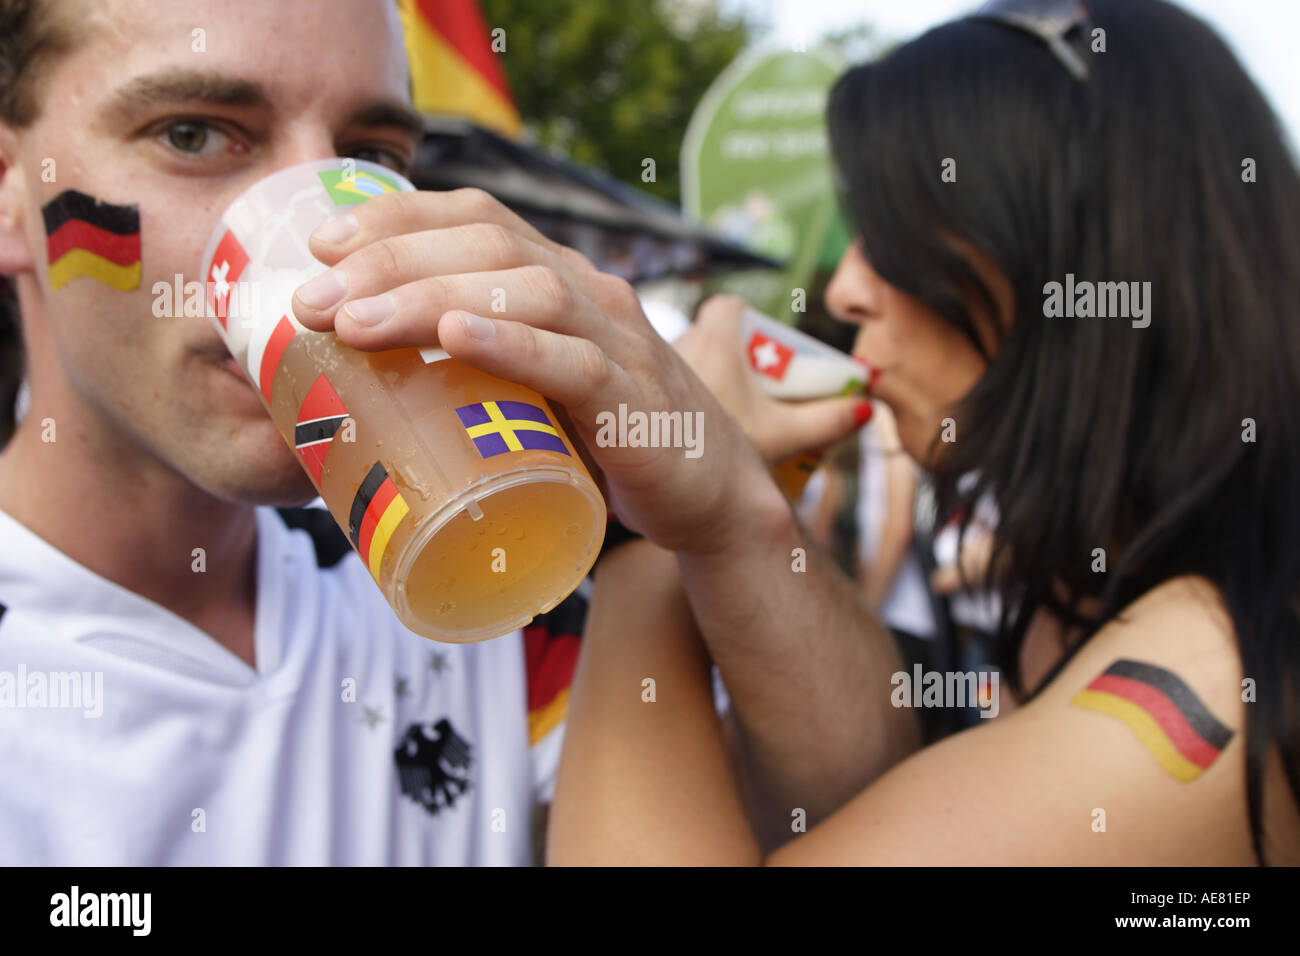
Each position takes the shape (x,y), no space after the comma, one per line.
(807,667)
(877,577)
(644,778)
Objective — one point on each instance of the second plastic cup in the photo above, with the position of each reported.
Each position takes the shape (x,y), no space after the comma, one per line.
(791,365)
(460,491)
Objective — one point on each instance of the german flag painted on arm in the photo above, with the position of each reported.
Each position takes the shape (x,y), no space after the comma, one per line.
(1163,712)
(86,237)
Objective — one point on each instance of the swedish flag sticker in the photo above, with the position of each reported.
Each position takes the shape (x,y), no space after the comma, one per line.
(499,427)
(349,186)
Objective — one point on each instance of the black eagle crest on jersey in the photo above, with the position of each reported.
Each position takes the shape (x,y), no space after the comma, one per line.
(429,757)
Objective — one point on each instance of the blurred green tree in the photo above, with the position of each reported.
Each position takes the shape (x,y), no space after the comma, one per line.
(612,85)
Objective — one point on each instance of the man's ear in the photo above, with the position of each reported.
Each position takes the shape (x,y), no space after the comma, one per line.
(15,252)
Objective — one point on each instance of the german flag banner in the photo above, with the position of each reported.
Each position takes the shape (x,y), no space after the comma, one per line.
(376,512)
(1165,714)
(453,67)
(86,237)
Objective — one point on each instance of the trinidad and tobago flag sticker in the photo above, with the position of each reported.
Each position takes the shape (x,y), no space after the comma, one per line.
(319,417)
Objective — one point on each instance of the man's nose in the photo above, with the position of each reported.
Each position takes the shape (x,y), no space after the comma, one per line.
(303,145)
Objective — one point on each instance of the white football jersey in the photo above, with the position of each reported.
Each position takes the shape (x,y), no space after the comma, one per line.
(129,736)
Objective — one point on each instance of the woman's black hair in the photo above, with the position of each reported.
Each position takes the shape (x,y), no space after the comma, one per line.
(1174,447)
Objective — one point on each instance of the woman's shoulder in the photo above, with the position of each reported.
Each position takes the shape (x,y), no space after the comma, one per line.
(1186,600)
(1182,624)
(1176,640)
(1133,754)
(1157,699)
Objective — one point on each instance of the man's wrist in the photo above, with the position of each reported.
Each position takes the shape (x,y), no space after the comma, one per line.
(756,517)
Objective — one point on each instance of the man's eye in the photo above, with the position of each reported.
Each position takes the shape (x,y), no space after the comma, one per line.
(193,137)
(384,157)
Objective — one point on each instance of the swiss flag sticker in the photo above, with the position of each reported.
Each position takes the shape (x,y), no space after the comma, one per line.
(228,262)
(768,356)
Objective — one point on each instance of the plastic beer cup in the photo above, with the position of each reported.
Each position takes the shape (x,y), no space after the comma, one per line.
(460,491)
(793,366)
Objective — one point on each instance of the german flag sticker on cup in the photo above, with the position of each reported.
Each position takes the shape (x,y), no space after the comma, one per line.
(376,511)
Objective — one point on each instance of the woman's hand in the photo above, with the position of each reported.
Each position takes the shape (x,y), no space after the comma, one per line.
(714,351)
(461,271)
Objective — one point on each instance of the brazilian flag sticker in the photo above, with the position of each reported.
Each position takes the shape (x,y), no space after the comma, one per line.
(349,186)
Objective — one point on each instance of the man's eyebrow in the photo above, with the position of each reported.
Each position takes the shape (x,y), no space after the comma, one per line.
(173,87)
(388,113)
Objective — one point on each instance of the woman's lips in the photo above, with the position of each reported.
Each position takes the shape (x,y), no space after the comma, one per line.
(873,373)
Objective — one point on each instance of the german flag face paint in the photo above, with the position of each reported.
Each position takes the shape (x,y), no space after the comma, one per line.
(1167,717)
(376,512)
(320,416)
(86,237)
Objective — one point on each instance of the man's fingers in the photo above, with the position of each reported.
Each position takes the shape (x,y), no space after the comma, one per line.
(395,214)
(571,370)
(408,315)
(388,263)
